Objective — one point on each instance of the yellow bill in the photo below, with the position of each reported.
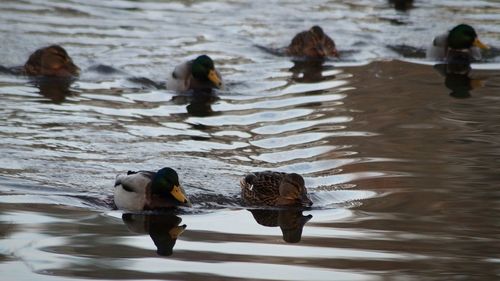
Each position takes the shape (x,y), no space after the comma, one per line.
(212,76)
(176,231)
(476,83)
(480,44)
(178,194)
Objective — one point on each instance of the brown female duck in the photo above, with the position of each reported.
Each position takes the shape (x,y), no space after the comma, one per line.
(50,61)
(312,43)
(274,189)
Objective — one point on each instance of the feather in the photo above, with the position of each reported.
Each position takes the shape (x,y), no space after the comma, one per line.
(274,189)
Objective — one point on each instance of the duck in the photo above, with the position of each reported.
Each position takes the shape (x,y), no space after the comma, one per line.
(147,190)
(51,61)
(276,189)
(197,74)
(460,39)
(313,44)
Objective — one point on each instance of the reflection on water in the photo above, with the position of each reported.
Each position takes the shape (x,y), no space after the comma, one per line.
(164,229)
(198,103)
(290,221)
(403,177)
(458,78)
(311,71)
(54,88)
(401,5)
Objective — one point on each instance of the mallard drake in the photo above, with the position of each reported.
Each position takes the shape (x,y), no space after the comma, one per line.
(197,74)
(274,189)
(312,43)
(144,190)
(462,38)
(50,61)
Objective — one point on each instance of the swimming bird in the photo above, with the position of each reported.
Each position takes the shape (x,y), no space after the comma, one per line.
(145,190)
(460,39)
(197,74)
(274,189)
(312,43)
(50,61)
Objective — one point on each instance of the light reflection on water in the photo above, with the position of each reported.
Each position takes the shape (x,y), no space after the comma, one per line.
(402,174)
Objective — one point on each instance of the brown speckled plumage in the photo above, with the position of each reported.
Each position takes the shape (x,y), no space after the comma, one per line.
(274,189)
(50,61)
(313,43)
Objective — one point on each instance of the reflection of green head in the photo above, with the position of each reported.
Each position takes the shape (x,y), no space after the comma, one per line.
(459,84)
(163,228)
(203,69)
(166,183)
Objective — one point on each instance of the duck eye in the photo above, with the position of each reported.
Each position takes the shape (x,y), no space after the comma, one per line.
(62,57)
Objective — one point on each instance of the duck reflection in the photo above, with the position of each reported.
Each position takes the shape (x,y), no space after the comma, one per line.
(401,5)
(310,71)
(164,229)
(199,103)
(457,75)
(291,222)
(56,89)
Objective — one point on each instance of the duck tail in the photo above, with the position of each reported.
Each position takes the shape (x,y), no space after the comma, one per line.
(243,183)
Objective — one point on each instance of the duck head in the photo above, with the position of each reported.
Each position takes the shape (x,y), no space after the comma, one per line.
(463,36)
(313,43)
(203,69)
(293,192)
(321,43)
(51,61)
(166,184)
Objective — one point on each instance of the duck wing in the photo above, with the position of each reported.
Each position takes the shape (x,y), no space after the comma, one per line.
(437,49)
(180,78)
(135,181)
(265,186)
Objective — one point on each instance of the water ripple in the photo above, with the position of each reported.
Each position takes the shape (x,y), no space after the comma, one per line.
(395,167)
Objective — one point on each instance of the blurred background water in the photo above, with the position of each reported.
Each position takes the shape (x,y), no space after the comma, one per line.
(400,157)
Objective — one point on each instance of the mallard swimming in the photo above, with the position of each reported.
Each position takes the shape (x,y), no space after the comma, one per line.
(462,38)
(197,74)
(312,43)
(274,189)
(144,190)
(50,61)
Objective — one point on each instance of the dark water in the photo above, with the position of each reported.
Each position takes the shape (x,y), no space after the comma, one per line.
(401,157)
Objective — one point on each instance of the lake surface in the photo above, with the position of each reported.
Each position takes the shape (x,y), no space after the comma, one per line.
(401,157)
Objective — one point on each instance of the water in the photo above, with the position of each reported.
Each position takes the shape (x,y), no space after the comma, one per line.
(403,173)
